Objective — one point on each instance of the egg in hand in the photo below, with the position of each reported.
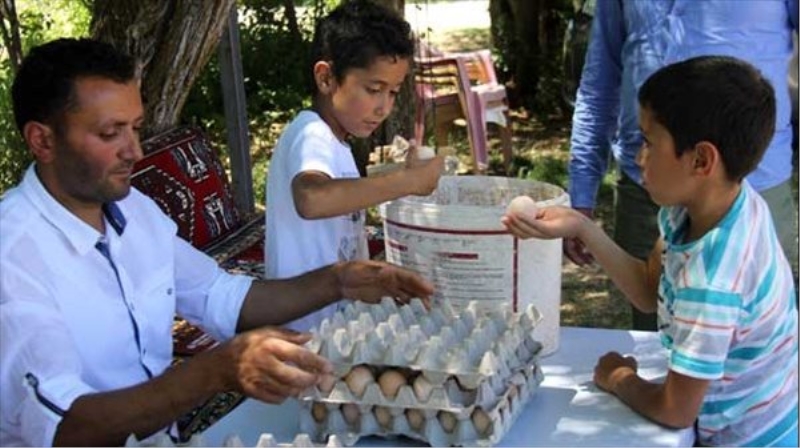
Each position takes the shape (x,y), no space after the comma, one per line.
(522,206)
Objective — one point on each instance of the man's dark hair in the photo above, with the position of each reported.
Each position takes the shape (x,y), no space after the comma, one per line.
(355,34)
(718,99)
(44,87)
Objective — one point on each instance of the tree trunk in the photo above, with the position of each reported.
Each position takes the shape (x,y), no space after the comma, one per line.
(528,35)
(171,40)
(291,21)
(9,28)
(397,5)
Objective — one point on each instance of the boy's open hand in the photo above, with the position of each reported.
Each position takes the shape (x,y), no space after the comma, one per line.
(550,223)
(369,281)
(271,364)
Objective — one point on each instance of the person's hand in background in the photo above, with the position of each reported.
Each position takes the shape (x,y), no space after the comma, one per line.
(574,248)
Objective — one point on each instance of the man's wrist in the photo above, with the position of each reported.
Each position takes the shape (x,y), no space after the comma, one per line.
(337,284)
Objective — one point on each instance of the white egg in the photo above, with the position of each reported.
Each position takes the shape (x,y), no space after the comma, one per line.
(425,152)
(447,420)
(390,382)
(416,419)
(351,413)
(481,421)
(522,206)
(358,379)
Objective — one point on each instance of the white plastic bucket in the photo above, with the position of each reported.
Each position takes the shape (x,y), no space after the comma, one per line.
(455,239)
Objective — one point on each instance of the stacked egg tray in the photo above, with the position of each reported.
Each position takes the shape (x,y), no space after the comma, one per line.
(266,440)
(440,376)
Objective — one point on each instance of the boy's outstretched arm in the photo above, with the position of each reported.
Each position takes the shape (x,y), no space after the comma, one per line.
(637,279)
(675,403)
(317,196)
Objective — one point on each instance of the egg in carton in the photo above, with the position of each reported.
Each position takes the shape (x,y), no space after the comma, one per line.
(404,387)
(471,426)
(470,345)
(407,387)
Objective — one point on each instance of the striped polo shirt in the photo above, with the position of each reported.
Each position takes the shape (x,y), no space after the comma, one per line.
(727,314)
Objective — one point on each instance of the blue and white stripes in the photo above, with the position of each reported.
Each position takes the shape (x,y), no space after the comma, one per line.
(728,314)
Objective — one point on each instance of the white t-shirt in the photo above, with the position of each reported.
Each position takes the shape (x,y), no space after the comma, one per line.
(75,322)
(295,245)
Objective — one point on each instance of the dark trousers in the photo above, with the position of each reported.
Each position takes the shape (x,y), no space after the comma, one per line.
(636,232)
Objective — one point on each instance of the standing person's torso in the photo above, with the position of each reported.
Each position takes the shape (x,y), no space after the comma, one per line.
(295,245)
(658,33)
(727,313)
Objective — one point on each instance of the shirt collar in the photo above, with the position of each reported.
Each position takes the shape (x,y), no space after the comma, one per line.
(80,235)
(115,217)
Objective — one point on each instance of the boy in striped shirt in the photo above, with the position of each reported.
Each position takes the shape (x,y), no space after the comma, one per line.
(718,278)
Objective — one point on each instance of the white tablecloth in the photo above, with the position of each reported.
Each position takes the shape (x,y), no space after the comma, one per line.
(566,410)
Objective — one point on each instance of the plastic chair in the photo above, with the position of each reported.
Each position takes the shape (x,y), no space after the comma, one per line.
(462,85)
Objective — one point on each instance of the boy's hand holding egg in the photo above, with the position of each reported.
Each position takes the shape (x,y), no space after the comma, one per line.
(519,212)
(522,206)
(425,167)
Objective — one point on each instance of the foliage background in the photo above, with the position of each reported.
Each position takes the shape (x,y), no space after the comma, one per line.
(275,36)
(38,24)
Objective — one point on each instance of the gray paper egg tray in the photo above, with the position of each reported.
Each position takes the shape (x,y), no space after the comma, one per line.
(266,440)
(430,429)
(470,345)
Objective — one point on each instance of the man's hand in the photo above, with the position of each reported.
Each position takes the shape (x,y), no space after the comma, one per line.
(271,364)
(369,281)
(574,248)
(612,368)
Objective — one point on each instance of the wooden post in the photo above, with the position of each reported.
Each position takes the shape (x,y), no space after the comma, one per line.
(230,61)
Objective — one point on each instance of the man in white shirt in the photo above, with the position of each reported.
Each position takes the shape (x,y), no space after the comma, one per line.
(92,273)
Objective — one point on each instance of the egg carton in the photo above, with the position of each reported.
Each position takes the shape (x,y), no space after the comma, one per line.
(474,426)
(417,392)
(471,345)
(233,440)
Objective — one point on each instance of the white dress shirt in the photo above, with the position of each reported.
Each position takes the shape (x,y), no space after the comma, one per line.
(74,321)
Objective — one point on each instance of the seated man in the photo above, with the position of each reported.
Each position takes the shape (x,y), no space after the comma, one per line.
(92,273)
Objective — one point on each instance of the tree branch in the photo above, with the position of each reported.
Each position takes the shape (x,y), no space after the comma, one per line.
(9,29)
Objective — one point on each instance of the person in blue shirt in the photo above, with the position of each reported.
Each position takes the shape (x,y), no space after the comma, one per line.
(629,41)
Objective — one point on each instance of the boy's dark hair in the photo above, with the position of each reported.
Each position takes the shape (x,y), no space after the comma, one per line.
(718,99)
(355,34)
(44,87)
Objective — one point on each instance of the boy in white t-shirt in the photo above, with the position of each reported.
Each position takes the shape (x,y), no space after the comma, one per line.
(718,277)
(361,54)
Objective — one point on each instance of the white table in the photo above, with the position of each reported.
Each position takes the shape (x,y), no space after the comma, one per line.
(566,410)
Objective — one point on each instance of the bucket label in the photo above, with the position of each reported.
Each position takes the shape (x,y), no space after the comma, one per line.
(464,265)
